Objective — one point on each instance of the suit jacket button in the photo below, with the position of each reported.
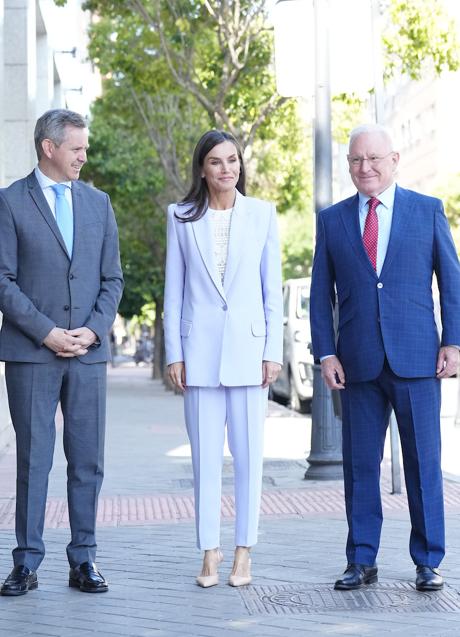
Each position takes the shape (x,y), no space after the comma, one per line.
(380,285)
(71,276)
(66,307)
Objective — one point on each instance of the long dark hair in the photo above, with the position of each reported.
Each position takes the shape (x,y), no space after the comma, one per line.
(198,194)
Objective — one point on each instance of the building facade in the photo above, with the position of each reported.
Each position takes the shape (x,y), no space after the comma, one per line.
(29,84)
(421,117)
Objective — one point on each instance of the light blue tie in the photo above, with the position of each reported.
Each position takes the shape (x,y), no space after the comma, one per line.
(64,216)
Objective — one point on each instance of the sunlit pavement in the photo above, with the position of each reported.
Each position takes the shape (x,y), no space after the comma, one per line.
(146,539)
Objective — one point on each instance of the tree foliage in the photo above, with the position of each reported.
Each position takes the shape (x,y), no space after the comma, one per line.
(347,112)
(176,69)
(420,36)
(449,192)
(122,162)
(216,51)
(296,244)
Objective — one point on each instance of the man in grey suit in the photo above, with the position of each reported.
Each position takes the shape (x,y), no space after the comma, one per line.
(60,285)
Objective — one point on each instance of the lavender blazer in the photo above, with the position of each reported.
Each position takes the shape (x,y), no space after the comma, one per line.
(223,332)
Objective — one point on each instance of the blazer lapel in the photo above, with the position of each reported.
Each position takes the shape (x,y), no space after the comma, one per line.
(401,215)
(238,230)
(81,209)
(39,198)
(204,240)
(350,219)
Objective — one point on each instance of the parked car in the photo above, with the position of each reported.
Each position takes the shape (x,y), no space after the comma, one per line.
(294,385)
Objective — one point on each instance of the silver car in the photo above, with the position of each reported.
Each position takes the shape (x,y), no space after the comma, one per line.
(294,385)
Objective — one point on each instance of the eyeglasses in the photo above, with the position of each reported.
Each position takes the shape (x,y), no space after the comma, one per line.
(373,159)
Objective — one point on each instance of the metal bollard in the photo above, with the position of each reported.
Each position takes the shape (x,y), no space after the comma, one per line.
(395,459)
(325,457)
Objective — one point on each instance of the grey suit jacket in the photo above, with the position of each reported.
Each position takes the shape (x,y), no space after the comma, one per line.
(40,286)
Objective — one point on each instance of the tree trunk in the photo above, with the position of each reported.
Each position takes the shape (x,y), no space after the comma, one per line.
(158,341)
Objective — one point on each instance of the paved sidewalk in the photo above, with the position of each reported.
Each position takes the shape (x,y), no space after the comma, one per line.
(147,545)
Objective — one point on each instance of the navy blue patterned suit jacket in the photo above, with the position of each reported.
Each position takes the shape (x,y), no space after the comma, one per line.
(392,314)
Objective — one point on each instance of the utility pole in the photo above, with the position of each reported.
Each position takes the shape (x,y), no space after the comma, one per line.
(325,457)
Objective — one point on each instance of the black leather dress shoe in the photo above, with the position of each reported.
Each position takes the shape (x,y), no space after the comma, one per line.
(356,576)
(428,579)
(87,578)
(19,581)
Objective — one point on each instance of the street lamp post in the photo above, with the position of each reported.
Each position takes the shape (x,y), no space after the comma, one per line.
(325,458)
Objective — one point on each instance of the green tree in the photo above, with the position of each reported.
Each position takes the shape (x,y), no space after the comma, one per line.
(122,162)
(420,36)
(421,39)
(347,112)
(449,192)
(215,53)
(173,70)
(193,65)
(296,244)
(187,65)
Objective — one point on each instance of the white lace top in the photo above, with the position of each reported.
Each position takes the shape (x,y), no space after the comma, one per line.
(220,220)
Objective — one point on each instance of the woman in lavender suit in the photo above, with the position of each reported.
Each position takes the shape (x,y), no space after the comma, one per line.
(223,334)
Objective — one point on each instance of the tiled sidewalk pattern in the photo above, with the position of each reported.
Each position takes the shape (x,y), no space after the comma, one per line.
(126,510)
(146,546)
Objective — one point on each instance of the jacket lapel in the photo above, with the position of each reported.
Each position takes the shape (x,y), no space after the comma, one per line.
(39,198)
(202,230)
(349,213)
(401,215)
(81,216)
(238,231)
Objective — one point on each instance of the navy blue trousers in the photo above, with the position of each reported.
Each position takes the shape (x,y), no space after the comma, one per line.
(366,410)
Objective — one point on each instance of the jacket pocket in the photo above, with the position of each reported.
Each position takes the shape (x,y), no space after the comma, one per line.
(185,328)
(258,328)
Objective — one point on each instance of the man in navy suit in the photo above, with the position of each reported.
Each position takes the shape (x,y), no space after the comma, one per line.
(377,252)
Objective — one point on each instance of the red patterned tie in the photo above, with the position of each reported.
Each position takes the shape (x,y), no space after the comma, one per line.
(371,231)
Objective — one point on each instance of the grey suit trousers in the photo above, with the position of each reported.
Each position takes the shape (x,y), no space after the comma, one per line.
(34,391)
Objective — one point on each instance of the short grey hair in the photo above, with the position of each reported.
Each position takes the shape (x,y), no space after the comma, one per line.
(52,124)
(370,128)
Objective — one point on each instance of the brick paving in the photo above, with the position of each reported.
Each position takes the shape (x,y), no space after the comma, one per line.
(128,510)
(146,543)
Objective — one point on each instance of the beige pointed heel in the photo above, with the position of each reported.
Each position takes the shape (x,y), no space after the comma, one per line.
(241,571)
(211,560)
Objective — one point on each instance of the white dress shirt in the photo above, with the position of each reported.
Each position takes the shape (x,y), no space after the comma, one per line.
(385,215)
